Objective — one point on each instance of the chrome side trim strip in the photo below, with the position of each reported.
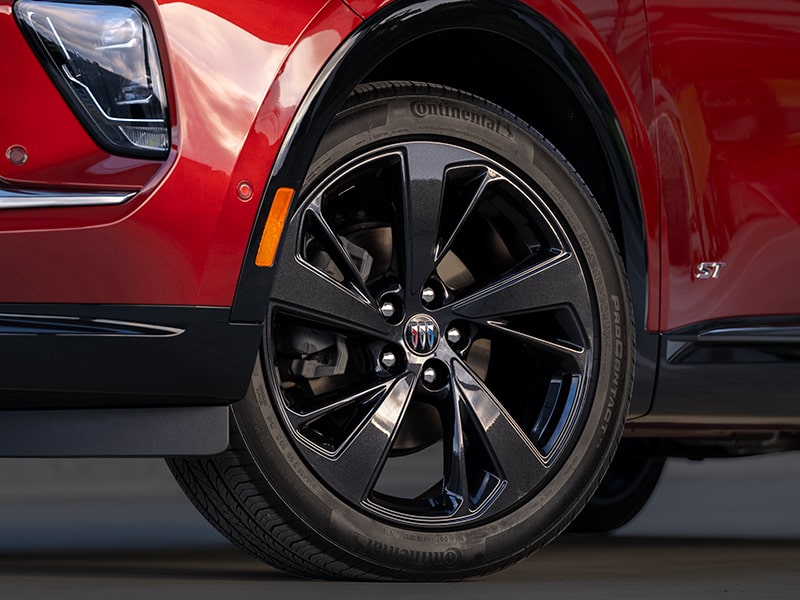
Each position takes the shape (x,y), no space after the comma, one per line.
(11,198)
(752,335)
(14,324)
(777,341)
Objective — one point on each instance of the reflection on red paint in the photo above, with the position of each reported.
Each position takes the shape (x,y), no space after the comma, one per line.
(182,239)
(714,86)
(727,90)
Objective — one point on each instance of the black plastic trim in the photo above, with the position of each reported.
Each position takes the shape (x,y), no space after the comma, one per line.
(400,23)
(736,341)
(195,430)
(732,373)
(56,356)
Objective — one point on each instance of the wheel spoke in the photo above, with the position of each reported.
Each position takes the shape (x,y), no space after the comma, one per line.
(455,466)
(520,464)
(312,294)
(354,470)
(340,256)
(489,176)
(566,349)
(425,168)
(336,402)
(557,281)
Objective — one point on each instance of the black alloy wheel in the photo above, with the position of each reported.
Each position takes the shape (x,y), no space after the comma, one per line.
(454,312)
(447,353)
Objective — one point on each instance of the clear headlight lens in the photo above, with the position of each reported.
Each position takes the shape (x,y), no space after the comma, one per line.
(105,62)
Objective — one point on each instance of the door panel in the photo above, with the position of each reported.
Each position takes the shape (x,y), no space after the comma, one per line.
(727,98)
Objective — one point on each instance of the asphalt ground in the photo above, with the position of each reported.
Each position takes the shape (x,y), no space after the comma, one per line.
(119,529)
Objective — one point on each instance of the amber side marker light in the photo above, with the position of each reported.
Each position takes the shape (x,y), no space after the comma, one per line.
(274,227)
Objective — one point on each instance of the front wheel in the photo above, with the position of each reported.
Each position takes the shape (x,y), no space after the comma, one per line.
(447,353)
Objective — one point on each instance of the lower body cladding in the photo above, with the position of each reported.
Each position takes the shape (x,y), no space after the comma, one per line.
(726,376)
(82,380)
(183,431)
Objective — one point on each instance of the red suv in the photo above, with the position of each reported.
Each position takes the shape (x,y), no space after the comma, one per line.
(388,281)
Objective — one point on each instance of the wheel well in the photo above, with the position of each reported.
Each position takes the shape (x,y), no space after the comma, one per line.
(503,71)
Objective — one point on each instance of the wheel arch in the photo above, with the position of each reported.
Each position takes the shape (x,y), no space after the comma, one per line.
(501,38)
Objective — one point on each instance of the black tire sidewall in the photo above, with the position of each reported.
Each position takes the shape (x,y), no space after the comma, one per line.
(380,117)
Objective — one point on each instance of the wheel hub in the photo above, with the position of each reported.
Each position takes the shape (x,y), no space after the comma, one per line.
(421,335)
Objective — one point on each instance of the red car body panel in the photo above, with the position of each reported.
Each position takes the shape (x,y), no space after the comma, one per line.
(233,137)
(725,121)
(182,239)
(727,94)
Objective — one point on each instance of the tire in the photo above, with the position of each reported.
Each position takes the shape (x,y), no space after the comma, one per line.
(447,355)
(624,490)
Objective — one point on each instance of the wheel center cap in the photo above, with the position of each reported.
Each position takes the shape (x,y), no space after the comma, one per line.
(421,334)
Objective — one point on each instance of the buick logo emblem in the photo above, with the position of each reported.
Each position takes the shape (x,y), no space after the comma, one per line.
(422,334)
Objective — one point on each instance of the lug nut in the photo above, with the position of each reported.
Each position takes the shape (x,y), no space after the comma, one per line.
(388,360)
(428,295)
(429,375)
(453,335)
(388,309)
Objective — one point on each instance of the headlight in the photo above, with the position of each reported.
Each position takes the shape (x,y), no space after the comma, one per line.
(104,60)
